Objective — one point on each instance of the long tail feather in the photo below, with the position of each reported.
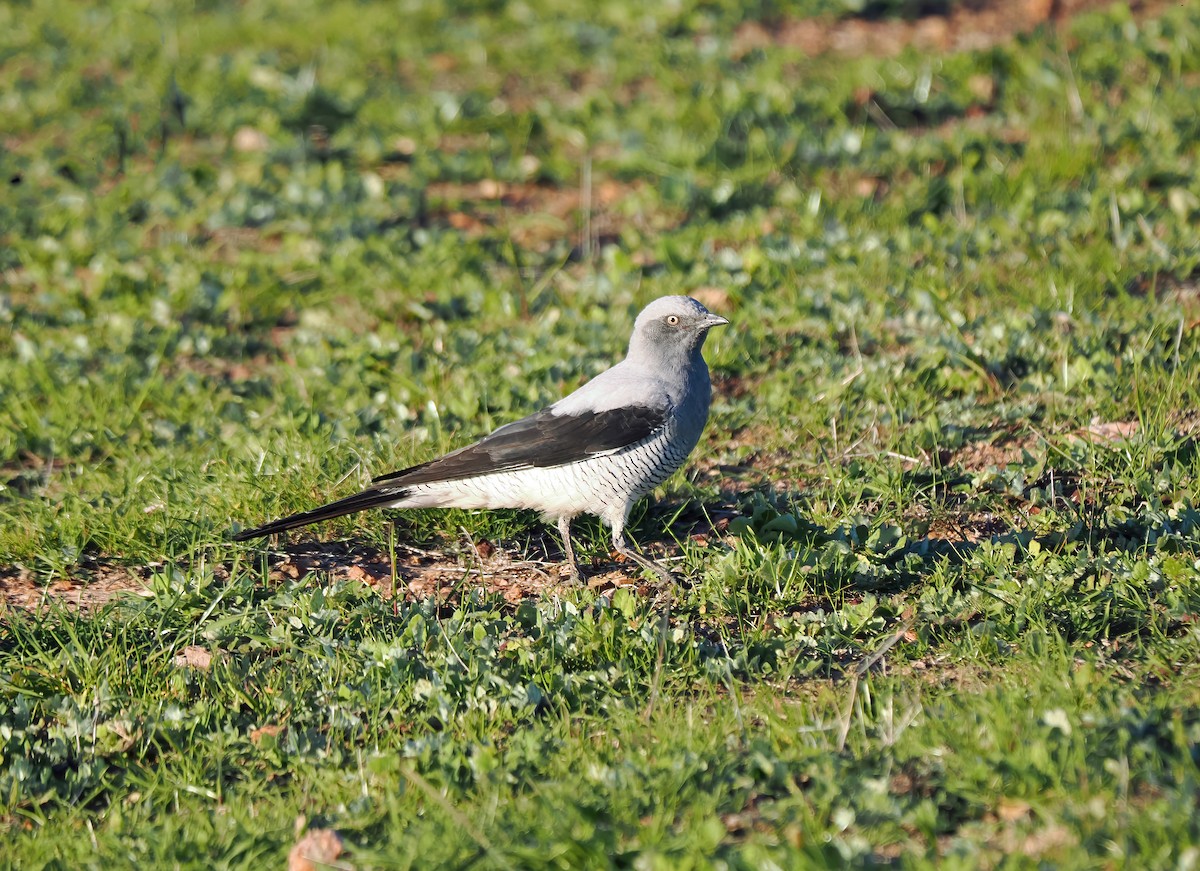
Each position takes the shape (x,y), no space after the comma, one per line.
(375,497)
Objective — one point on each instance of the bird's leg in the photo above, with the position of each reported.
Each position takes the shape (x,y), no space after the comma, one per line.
(619,544)
(564,529)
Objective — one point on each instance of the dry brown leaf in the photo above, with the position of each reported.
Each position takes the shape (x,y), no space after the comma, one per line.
(1107,431)
(249,139)
(271,730)
(319,848)
(490,189)
(193,656)
(1012,809)
(358,573)
(465,222)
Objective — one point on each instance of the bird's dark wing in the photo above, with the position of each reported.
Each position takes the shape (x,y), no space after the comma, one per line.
(540,440)
(372,497)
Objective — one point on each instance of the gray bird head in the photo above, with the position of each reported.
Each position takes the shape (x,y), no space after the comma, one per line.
(670,331)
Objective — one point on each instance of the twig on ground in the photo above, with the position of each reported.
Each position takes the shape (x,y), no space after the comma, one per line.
(863,668)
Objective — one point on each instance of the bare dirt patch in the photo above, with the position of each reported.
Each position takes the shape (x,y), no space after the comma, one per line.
(93,587)
(419,573)
(537,215)
(967,529)
(416,574)
(1001,452)
(1183,291)
(968,27)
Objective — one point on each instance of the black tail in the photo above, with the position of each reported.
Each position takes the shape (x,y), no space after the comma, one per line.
(375,497)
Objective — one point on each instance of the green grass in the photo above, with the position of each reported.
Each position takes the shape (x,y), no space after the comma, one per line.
(953,619)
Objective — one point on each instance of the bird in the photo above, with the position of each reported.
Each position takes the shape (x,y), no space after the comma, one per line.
(595,451)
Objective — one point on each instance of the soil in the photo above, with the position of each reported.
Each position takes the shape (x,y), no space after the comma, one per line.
(968,27)
(418,574)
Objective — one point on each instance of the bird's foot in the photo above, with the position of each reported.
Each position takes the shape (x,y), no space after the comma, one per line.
(664,596)
(664,576)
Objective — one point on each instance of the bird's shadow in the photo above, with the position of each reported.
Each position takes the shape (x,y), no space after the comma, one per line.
(907,551)
(527,564)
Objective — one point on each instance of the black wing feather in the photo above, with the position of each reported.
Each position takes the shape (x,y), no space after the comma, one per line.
(372,497)
(538,441)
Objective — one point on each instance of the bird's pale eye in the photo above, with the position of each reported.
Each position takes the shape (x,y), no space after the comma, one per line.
(673,320)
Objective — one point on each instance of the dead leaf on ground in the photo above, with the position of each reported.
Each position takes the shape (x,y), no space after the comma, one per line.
(1106,431)
(358,573)
(249,139)
(1012,809)
(268,731)
(319,848)
(193,656)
